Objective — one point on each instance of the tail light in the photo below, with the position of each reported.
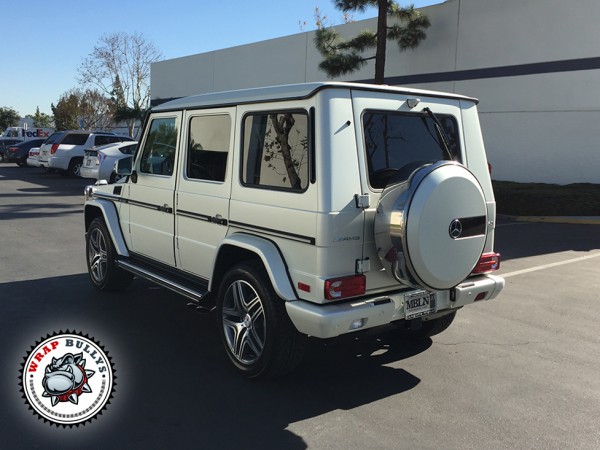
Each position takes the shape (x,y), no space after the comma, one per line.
(488,263)
(53,149)
(101,157)
(345,287)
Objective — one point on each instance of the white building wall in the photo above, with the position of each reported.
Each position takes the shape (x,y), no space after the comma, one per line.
(540,110)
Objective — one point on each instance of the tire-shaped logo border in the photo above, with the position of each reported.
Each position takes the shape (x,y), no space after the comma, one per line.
(67,379)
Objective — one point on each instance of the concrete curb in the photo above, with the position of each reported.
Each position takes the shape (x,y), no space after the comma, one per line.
(577,220)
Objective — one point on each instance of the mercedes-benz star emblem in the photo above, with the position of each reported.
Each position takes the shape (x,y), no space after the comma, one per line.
(455,229)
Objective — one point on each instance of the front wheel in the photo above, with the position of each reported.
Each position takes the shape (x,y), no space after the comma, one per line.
(258,336)
(101,256)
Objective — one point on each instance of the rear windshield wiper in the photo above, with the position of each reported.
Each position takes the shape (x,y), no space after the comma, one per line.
(443,139)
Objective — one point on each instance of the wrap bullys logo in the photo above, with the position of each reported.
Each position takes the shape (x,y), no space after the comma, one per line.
(67,379)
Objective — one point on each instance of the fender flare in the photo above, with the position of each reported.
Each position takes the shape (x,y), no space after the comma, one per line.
(271,257)
(111,218)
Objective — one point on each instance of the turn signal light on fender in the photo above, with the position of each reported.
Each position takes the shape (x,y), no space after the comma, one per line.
(488,263)
(345,287)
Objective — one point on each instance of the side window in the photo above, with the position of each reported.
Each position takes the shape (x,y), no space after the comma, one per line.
(102,140)
(275,150)
(75,139)
(158,154)
(208,147)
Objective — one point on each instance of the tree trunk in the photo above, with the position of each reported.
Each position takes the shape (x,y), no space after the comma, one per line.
(381,41)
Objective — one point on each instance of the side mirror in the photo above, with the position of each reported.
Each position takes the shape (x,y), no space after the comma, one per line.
(124,166)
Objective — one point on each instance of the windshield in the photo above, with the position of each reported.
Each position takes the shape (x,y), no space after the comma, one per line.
(394,141)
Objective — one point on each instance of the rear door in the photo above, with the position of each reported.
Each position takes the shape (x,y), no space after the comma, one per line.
(151,190)
(393,140)
(204,187)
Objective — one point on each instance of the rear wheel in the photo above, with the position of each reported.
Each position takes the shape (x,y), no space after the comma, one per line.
(258,336)
(74,169)
(101,256)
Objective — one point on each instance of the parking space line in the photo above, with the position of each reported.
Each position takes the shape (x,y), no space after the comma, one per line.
(548,266)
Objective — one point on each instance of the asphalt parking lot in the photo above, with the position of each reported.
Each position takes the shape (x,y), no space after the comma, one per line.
(521,371)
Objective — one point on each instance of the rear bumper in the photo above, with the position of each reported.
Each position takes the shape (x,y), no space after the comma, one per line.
(89,172)
(331,320)
(33,162)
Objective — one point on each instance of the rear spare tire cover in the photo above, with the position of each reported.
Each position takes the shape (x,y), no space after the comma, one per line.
(430,230)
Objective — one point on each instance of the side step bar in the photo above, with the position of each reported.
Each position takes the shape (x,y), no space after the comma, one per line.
(182,288)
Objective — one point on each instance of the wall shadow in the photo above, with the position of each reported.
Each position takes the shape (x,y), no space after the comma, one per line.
(35,193)
(523,239)
(174,385)
(47,183)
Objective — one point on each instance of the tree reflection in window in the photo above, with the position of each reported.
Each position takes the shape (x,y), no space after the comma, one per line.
(276,150)
(397,140)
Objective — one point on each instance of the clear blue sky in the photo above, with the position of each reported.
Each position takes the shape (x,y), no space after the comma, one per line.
(45,42)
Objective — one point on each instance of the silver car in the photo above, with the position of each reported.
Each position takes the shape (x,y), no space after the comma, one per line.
(99,162)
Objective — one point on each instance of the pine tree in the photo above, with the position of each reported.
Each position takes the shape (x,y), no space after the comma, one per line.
(342,57)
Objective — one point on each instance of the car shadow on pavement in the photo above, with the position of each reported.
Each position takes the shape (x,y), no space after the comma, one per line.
(174,386)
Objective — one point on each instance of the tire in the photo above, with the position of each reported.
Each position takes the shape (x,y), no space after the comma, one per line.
(430,328)
(431,229)
(74,169)
(258,336)
(100,258)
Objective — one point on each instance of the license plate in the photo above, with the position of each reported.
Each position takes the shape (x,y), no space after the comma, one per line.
(419,304)
(88,163)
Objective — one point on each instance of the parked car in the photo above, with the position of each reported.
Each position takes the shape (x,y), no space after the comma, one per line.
(66,152)
(4,144)
(33,159)
(317,209)
(44,154)
(18,153)
(99,163)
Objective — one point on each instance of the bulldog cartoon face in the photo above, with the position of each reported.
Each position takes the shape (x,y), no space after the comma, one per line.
(66,379)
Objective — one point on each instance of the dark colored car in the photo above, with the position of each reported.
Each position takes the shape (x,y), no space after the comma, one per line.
(18,153)
(4,144)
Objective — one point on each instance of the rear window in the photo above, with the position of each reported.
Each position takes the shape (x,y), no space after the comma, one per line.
(54,137)
(75,139)
(403,141)
(128,149)
(9,142)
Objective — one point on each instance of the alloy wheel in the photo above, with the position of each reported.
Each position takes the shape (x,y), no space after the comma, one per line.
(244,322)
(97,255)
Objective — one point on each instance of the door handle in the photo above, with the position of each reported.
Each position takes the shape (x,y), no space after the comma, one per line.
(218,219)
(165,208)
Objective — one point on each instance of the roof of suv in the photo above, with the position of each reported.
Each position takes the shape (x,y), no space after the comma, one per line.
(290,92)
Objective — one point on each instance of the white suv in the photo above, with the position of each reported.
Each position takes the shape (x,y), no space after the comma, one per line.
(64,152)
(305,210)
